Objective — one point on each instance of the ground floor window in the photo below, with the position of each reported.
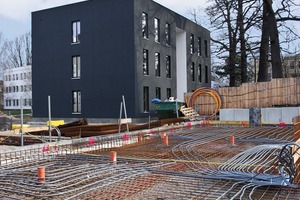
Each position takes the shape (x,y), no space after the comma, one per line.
(76,102)
(169,94)
(158,93)
(146,98)
(206,74)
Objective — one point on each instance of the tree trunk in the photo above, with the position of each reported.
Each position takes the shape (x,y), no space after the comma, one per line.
(264,49)
(243,61)
(274,40)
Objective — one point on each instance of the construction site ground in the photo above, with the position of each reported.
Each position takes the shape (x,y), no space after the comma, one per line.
(183,162)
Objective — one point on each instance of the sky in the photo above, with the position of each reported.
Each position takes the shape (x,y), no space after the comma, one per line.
(15,15)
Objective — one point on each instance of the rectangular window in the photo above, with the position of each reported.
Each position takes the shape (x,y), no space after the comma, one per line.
(206,74)
(76,66)
(145,62)
(76,101)
(199,73)
(168,66)
(158,93)
(199,46)
(145,25)
(21,76)
(157,64)
(292,64)
(168,34)
(192,44)
(193,71)
(146,98)
(156,30)
(206,48)
(76,31)
(169,94)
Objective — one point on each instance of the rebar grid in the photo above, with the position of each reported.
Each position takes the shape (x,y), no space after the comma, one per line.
(198,163)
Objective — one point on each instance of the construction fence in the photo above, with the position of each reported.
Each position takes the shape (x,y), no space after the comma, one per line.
(277,92)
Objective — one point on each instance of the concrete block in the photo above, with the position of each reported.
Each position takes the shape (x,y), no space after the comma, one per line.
(271,115)
(288,113)
(234,114)
(241,115)
(227,115)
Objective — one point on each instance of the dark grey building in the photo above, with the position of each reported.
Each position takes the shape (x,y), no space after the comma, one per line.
(87,55)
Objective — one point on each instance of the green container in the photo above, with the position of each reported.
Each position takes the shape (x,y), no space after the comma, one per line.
(166,110)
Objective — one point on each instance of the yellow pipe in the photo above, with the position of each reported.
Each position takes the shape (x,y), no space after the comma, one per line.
(191,100)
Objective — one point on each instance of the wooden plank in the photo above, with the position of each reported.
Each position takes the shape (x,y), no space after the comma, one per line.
(259,96)
(293,91)
(280,90)
(246,96)
(125,121)
(189,113)
(269,94)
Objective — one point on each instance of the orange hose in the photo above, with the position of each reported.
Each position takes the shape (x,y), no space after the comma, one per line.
(215,95)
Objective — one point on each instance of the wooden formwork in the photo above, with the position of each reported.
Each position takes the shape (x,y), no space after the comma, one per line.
(297,141)
(278,92)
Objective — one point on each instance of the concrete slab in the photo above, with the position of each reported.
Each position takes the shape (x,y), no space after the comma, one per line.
(234,114)
(273,115)
(241,115)
(269,115)
(288,113)
(227,114)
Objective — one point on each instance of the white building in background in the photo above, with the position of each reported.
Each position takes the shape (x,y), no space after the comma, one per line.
(17,85)
(291,66)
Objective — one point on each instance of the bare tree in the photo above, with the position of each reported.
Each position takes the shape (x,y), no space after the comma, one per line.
(222,15)
(231,21)
(264,49)
(235,31)
(17,52)
(270,35)
(28,51)
(274,39)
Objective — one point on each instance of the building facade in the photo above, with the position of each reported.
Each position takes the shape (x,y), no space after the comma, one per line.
(291,66)
(87,55)
(17,84)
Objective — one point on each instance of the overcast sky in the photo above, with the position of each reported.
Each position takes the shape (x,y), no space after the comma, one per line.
(15,15)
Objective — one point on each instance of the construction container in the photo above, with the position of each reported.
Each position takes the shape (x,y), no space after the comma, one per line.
(166,110)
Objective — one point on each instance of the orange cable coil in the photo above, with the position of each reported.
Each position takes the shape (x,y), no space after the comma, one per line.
(203,90)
